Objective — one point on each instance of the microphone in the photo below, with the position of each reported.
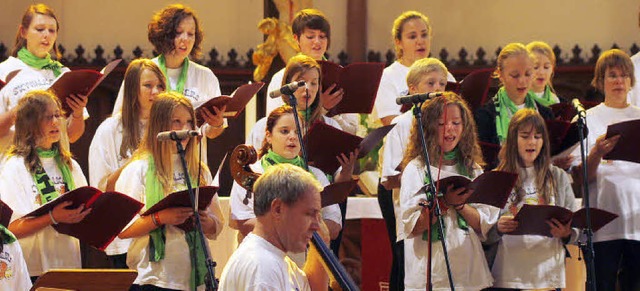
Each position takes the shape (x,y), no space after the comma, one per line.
(578,106)
(287,89)
(176,135)
(417,98)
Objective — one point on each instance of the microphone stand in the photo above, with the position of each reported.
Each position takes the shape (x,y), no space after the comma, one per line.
(432,203)
(587,249)
(210,282)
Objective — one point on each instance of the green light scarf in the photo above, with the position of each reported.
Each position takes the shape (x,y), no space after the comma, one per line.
(505,108)
(271,158)
(45,186)
(40,63)
(547,97)
(162,63)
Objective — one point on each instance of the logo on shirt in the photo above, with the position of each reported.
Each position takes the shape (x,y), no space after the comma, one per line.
(6,271)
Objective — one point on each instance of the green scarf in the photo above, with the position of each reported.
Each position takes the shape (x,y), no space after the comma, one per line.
(44,184)
(162,63)
(547,97)
(505,108)
(39,63)
(154,192)
(271,158)
(7,236)
(462,223)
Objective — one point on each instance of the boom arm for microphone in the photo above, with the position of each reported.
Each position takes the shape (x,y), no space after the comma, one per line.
(417,98)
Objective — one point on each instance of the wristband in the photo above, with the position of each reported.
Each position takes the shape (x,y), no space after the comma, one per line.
(53,221)
(218,126)
(156,219)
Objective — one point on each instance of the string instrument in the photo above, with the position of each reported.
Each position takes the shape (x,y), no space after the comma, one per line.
(241,157)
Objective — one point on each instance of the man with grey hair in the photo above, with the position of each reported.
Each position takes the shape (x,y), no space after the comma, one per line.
(287,207)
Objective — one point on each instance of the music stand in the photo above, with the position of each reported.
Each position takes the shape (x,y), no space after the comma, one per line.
(85,279)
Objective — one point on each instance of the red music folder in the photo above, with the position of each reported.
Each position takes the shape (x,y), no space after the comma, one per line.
(627,147)
(100,226)
(491,188)
(532,218)
(80,82)
(490,153)
(182,199)
(5,214)
(323,156)
(337,192)
(235,103)
(563,135)
(359,81)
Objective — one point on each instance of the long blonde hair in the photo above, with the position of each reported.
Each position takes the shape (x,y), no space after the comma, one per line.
(130,115)
(31,112)
(469,150)
(510,160)
(160,120)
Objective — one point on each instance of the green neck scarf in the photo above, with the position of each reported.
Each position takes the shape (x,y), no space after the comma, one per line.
(39,63)
(162,63)
(271,158)
(6,235)
(462,223)
(547,97)
(505,108)
(154,192)
(45,186)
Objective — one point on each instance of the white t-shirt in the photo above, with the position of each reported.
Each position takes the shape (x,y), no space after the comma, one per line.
(617,184)
(634,94)
(348,122)
(514,265)
(104,160)
(46,249)
(172,272)
(468,264)
(257,134)
(259,265)
(200,86)
(13,268)
(26,80)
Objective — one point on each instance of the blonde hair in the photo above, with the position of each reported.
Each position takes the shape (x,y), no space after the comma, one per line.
(160,120)
(510,160)
(613,58)
(422,67)
(30,113)
(544,49)
(130,116)
(469,154)
(510,50)
(398,27)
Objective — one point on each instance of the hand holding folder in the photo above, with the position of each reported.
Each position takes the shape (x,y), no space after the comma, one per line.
(79,82)
(627,147)
(359,81)
(491,188)
(320,135)
(181,199)
(100,226)
(235,103)
(532,219)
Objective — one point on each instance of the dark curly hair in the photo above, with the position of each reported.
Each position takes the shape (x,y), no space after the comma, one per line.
(163,25)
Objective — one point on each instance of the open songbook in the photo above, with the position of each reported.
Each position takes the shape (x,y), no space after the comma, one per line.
(80,82)
(323,156)
(235,103)
(5,214)
(532,218)
(359,81)
(627,147)
(491,188)
(181,199)
(563,136)
(100,226)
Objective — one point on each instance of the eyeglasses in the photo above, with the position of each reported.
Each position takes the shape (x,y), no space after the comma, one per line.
(50,118)
(614,77)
